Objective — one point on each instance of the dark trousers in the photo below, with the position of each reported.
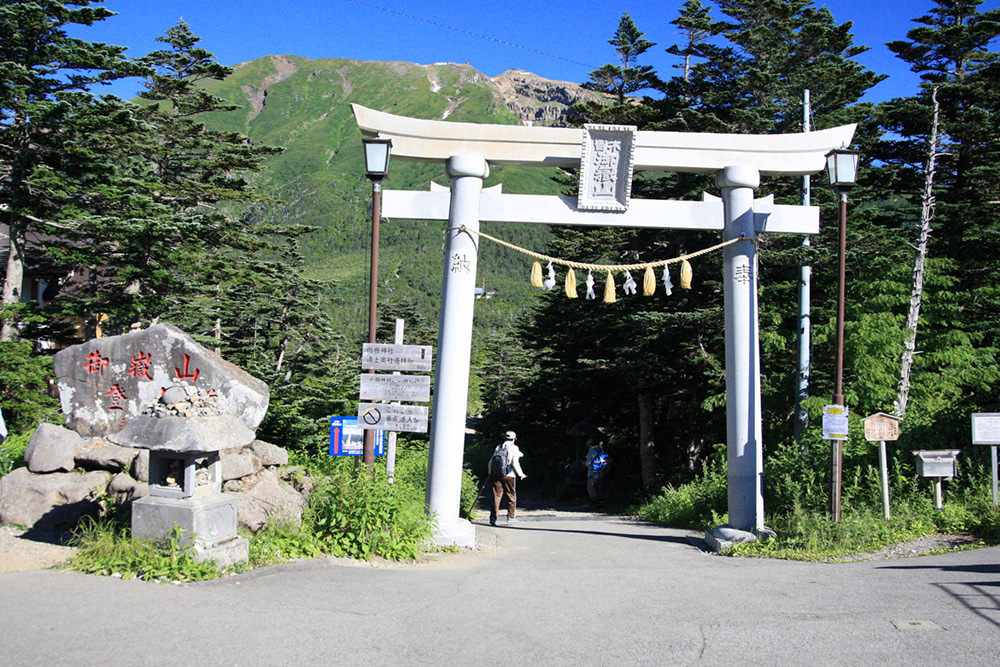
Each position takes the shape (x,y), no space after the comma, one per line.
(506,484)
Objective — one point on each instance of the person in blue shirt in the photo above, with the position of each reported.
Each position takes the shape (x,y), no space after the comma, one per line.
(597,465)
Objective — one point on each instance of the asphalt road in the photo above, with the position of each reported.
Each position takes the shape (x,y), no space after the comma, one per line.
(576,591)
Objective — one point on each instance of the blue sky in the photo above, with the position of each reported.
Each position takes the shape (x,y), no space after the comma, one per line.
(556,39)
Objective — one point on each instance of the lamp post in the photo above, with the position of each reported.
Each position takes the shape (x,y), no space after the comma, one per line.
(842,169)
(376,168)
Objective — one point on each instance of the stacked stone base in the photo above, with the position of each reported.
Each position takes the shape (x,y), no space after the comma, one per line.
(208,523)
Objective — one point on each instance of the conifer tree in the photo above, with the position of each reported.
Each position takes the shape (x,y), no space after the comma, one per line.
(664,355)
(627,76)
(50,159)
(957,347)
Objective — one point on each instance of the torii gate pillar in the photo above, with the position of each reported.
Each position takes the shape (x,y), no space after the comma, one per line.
(743,414)
(451,381)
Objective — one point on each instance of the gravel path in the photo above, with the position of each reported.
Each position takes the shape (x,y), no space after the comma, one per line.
(19,553)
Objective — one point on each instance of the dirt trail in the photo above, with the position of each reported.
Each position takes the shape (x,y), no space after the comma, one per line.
(22,550)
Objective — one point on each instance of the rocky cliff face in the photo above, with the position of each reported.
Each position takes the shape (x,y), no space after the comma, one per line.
(541,101)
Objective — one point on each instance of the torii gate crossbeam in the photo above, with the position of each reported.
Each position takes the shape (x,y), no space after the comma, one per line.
(467,149)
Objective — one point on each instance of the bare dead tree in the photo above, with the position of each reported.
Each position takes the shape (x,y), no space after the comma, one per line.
(917,282)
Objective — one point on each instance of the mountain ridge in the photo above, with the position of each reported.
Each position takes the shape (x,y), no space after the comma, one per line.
(532,98)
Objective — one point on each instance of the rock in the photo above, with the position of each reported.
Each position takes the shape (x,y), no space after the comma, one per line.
(237,464)
(724,537)
(99,453)
(126,489)
(52,500)
(299,480)
(140,470)
(269,501)
(106,382)
(541,101)
(269,455)
(184,434)
(52,448)
(173,395)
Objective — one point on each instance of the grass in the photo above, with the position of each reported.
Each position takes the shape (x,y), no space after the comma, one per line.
(349,514)
(106,548)
(805,530)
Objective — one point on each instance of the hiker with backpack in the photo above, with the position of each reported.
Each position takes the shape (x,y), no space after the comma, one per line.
(597,466)
(505,470)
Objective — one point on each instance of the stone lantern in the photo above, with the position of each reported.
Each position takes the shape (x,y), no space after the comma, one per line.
(185,482)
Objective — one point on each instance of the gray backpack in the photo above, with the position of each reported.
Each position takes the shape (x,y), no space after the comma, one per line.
(499,462)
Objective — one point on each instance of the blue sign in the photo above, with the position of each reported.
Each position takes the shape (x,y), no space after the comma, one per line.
(347,438)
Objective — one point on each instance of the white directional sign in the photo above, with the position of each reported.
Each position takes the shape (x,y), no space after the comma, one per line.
(381,387)
(389,417)
(381,357)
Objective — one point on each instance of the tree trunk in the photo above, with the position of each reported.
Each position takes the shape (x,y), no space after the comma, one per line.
(281,355)
(14,278)
(917,285)
(647,449)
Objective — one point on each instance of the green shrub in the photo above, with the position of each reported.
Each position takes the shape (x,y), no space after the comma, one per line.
(278,543)
(700,503)
(360,517)
(796,499)
(24,387)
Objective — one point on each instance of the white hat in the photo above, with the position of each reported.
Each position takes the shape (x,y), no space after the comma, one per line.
(510,435)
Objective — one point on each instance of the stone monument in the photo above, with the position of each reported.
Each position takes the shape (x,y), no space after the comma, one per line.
(161,391)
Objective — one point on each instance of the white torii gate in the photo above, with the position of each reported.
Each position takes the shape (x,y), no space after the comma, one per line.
(467,149)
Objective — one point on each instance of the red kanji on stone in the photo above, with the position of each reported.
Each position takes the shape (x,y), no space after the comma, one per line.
(117,396)
(186,375)
(96,363)
(140,366)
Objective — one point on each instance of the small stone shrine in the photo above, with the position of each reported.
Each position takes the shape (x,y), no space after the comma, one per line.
(184,431)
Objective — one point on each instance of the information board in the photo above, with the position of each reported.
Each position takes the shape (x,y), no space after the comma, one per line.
(880,427)
(986,428)
(382,387)
(347,438)
(835,422)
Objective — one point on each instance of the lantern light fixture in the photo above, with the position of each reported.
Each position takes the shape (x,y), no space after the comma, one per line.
(377,152)
(842,167)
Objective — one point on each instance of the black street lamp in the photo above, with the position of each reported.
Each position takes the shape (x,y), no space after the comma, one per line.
(377,153)
(842,169)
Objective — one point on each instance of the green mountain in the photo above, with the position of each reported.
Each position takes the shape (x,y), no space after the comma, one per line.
(303,105)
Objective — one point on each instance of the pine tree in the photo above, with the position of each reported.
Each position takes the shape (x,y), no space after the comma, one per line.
(627,76)
(656,365)
(49,122)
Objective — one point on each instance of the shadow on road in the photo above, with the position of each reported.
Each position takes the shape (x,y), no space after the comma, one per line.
(676,539)
(982,598)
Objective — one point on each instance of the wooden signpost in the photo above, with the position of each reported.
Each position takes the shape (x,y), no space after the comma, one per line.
(394,417)
(881,427)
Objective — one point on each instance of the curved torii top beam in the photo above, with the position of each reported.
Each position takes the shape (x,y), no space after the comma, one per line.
(771,154)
